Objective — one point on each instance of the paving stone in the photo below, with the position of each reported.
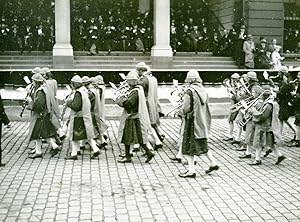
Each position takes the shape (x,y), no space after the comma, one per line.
(51,189)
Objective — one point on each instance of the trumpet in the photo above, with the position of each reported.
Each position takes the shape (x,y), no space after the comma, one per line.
(72,92)
(255,103)
(237,89)
(243,104)
(121,91)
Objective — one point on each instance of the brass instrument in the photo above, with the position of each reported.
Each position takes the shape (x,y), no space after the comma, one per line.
(30,88)
(121,91)
(248,111)
(177,98)
(236,89)
(72,92)
(243,104)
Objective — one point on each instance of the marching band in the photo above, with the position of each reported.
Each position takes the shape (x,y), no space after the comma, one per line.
(259,109)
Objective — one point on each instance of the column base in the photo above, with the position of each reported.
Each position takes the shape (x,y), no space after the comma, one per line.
(161,57)
(63,56)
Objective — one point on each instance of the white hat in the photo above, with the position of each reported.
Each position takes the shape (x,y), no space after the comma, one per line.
(141,65)
(77,79)
(38,77)
(252,75)
(85,79)
(45,70)
(193,74)
(235,76)
(132,75)
(99,79)
(37,70)
(283,69)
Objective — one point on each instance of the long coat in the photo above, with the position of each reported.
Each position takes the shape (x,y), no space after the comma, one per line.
(248,48)
(40,126)
(81,124)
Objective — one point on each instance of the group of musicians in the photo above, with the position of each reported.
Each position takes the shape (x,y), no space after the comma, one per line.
(261,110)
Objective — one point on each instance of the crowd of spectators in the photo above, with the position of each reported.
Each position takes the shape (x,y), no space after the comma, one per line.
(26,25)
(118,25)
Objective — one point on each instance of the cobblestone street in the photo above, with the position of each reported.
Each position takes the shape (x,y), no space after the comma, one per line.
(54,189)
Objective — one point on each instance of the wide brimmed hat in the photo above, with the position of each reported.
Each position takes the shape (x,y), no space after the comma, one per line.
(132,75)
(252,75)
(36,70)
(235,76)
(141,65)
(38,77)
(76,79)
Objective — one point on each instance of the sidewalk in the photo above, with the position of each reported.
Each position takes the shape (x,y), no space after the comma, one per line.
(53,189)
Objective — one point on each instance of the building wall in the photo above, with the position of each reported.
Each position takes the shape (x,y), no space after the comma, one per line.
(224,10)
(265,18)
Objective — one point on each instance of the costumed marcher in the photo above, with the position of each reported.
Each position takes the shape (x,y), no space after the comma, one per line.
(97,112)
(267,124)
(135,123)
(197,124)
(284,96)
(255,90)
(3,119)
(296,94)
(149,84)
(276,58)
(51,85)
(81,123)
(41,126)
(233,116)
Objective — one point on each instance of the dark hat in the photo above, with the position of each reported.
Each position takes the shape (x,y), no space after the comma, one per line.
(263,41)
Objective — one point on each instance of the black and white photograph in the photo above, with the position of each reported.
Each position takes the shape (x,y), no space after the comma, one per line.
(150,110)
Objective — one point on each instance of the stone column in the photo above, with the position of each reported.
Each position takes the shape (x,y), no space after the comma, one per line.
(161,52)
(62,50)
(144,6)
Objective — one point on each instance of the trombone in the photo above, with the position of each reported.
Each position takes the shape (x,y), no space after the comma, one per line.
(122,90)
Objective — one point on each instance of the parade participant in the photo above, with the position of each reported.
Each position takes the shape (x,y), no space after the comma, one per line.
(235,98)
(284,96)
(149,84)
(96,110)
(296,95)
(41,126)
(197,124)
(134,124)
(3,119)
(51,85)
(255,90)
(81,124)
(266,131)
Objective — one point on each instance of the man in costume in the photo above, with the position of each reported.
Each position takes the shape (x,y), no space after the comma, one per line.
(197,124)
(81,124)
(266,131)
(41,126)
(134,124)
(149,84)
(296,103)
(51,85)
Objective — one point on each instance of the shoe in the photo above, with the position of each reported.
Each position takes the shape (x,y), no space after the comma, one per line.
(187,175)
(124,160)
(245,156)
(280,159)
(2,164)
(228,139)
(187,163)
(36,156)
(82,147)
(156,147)
(135,150)
(149,157)
(211,169)
(255,163)
(296,143)
(95,155)
(176,159)
(54,152)
(268,152)
(241,149)
(103,145)
(124,155)
(79,153)
(71,157)
(62,137)
(33,152)
(162,137)
(236,142)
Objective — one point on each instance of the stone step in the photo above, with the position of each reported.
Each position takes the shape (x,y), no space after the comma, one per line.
(21,58)
(202,62)
(112,58)
(21,62)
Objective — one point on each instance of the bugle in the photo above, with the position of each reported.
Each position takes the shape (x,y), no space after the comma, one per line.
(30,89)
